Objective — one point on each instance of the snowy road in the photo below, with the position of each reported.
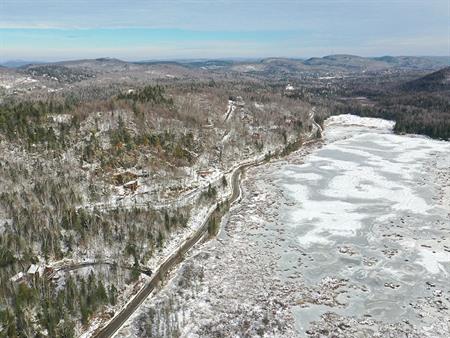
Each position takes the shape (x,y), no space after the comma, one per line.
(350,239)
(174,259)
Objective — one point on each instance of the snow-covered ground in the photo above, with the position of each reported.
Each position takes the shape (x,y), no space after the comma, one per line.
(351,239)
(11,82)
(353,120)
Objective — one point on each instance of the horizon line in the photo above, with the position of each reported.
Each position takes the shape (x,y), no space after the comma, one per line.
(228,58)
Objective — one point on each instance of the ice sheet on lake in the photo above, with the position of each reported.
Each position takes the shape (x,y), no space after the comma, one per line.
(345,177)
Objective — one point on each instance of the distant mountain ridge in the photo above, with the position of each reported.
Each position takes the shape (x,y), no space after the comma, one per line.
(112,69)
(351,62)
(378,63)
(344,60)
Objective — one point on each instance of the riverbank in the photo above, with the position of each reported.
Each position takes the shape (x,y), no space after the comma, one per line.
(207,225)
(348,239)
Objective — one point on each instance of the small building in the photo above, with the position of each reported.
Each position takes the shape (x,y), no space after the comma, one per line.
(17,278)
(33,269)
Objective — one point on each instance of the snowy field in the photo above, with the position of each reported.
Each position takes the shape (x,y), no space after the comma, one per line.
(347,239)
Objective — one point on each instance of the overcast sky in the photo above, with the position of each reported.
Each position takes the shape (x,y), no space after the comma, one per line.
(141,30)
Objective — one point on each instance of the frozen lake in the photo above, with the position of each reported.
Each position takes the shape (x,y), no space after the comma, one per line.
(349,238)
(366,208)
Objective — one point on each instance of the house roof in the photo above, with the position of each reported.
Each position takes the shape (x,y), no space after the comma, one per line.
(33,269)
(16,277)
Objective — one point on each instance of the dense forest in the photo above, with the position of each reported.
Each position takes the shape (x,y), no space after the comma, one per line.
(415,118)
(417,107)
(86,176)
(41,197)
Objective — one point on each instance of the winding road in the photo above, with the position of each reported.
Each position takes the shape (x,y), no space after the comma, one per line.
(110,329)
(116,322)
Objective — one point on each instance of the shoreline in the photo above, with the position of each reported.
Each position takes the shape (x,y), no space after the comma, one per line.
(254,274)
(170,262)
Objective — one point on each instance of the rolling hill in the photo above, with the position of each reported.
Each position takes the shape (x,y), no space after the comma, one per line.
(437,81)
